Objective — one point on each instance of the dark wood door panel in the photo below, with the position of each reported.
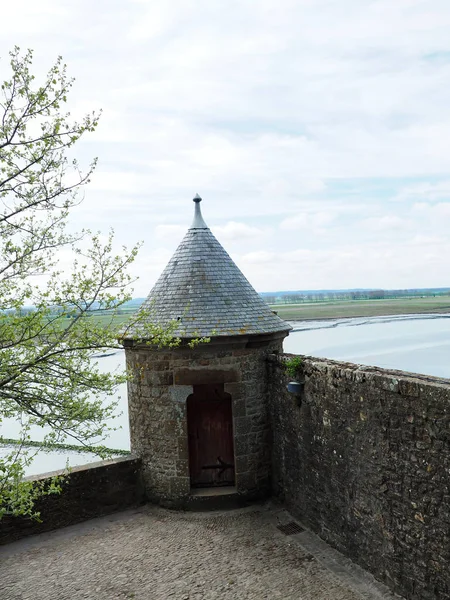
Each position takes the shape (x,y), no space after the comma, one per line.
(210,430)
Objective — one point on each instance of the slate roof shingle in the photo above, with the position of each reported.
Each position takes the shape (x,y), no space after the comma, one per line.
(203,289)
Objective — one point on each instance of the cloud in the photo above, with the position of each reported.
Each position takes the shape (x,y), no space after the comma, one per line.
(429,191)
(316,220)
(260,257)
(115,181)
(382,264)
(384,223)
(26,17)
(169,231)
(318,135)
(431,218)
(237,231)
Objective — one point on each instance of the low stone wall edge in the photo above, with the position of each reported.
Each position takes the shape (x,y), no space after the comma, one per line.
(362,458)
(91,490)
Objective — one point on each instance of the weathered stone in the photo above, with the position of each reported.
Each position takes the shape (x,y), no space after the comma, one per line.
(205,376)
(242,425)
(246,482)
(90,491)
(237,390)
(179,487)
(365,461)
(158,415)
(241,445)
(406,387)
(241,464)
(182,466)
(239,408)
(183,450)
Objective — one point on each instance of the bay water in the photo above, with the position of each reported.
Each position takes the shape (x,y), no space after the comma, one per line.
(415,343)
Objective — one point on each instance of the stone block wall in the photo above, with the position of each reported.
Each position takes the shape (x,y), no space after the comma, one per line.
(157,397)
(90,491)
(365,462)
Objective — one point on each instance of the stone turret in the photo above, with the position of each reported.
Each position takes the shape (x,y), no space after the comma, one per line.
(198,415)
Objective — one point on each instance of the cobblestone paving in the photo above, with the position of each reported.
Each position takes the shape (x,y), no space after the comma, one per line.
(156,554)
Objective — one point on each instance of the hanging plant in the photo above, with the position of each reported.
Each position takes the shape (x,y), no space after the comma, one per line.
(297,385)
(292,366)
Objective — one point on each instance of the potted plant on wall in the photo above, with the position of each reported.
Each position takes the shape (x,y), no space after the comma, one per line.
(297,384)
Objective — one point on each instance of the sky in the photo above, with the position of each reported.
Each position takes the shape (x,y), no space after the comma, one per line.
(317,132)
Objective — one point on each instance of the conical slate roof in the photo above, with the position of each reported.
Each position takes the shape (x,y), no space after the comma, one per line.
(204,291)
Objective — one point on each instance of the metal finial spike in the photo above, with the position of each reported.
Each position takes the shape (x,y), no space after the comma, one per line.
(198,222)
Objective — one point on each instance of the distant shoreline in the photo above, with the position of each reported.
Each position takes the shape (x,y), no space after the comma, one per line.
(441,314)
(321,311)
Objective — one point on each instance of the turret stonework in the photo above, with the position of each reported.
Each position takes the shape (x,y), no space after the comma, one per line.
(198,416)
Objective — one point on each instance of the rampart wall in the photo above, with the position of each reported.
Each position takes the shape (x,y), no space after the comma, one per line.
(90,491)
(362,458)
(364,461)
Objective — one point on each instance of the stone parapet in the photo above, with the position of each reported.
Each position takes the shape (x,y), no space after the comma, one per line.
(89,491)
(364,460)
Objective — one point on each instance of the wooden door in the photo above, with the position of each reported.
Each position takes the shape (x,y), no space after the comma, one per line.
(210,431)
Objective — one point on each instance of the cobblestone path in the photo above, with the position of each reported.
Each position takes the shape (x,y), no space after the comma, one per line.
(154,554)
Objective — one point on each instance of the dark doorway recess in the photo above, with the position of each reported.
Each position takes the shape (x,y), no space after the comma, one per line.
(210,431)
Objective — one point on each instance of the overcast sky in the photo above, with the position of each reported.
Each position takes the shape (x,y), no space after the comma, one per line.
(316,131)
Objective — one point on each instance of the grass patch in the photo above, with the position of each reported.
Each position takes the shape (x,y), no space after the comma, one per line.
(362,308)
(107,320)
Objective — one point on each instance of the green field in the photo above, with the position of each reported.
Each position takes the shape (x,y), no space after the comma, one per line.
(107,320)
(331,309)
(362,308)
